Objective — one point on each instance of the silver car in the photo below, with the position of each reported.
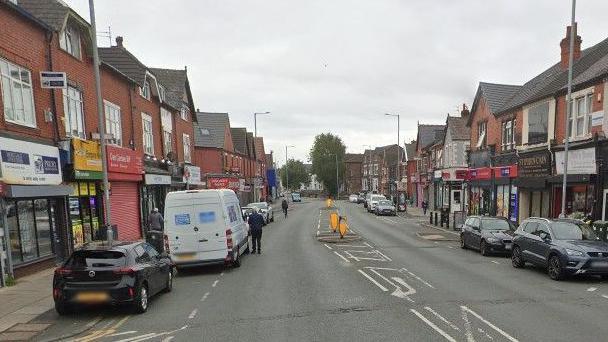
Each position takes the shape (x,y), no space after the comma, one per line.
(265,211)
(385,207)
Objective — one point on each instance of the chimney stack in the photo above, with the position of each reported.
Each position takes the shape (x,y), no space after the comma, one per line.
(464,113)
(565,47)
(119,41)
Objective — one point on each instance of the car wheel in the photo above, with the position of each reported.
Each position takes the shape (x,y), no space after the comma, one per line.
(483,248)
(463,245)
(555,269)
(63,308)
(516,259)
(169,286)
(141,301)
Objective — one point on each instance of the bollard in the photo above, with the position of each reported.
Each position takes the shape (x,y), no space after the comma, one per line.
(436,221)
(431,218)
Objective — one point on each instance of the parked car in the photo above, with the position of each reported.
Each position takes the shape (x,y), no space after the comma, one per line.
(205,227)
(374,201)
(385,207)
(296,197)
(265,210)
(368,198)
(563,246)
(361,198)
(127,273)
(246,211)
(353,198)
(488,234)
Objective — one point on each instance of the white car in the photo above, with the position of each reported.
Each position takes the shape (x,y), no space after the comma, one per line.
(265,210)
(373,202)
(205,227)
(353,198)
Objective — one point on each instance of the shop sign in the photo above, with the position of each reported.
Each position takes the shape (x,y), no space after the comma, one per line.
(505,171)
(480,174)
(513,204)
(123,160)
(534,164)
(39,165)
(152,179)
(87,155)
(580,162)
(462,174)
(224,183)
(597,118)
(53,80)
(192,175)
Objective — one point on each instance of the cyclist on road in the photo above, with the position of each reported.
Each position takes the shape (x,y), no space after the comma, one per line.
(284,205)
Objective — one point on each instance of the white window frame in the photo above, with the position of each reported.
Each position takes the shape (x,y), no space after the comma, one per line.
(166,119)
(527,111)
(113,122)
(183,113)
(73,111)
(145,90)
(161,92)
(482,134)
(148,133)
(13,97)
(576,117)
(508,134)
(69,41)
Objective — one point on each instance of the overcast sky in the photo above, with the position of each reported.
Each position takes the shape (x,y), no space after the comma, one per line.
(338,65)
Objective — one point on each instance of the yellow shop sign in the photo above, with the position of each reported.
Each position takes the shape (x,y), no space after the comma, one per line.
(87,155)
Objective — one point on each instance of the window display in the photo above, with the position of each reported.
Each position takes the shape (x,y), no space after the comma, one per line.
(30,229)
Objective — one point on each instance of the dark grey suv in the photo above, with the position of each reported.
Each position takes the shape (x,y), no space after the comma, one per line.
(562,246)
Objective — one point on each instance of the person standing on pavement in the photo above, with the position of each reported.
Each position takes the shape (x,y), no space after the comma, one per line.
(256,221)
(284,205)
(155,221)
(425,205)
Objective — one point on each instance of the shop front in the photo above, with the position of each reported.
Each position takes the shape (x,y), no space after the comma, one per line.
(192,177)
(480,189)
(451,191)
(125,173)
(581,182)
(506,203)
(223,182)
(33,200)
(534,196)
(157,183)
(436,200)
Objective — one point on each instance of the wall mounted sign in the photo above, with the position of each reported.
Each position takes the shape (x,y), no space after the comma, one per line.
(534,164)
(53,80)
(38,165)
(580,162)
(124,160)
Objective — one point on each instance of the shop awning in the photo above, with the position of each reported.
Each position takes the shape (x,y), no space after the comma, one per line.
(37,190)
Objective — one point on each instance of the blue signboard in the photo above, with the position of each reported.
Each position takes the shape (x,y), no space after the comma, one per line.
(206,217)
(513,204)
(505,171)
(182,219)
(271,176)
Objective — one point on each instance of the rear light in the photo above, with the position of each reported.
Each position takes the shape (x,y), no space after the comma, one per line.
(131,292)
(229,238)
(166,239)
(63,271)
(125,271)
(56,293)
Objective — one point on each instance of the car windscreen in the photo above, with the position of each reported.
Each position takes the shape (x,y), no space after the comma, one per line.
(377,198)
(385,202)
(84,259)
(260,205)
(494,224)
(572,231)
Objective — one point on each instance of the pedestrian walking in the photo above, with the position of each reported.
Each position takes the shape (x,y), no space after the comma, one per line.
(284,205)
(425,206)
(155,221)
(256,221)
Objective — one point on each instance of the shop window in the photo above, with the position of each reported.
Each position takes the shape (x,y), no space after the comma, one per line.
(84,206)
(73,112)
(17,94)
(538,121)
(30,229)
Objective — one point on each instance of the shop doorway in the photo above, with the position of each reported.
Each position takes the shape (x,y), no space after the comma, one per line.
(605,206)
(456,200)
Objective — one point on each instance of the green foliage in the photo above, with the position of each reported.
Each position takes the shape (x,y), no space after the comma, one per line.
(297,174)
(323,157)
(10,281)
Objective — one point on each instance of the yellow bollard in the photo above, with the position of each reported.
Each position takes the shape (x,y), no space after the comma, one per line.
(343,227)
(333,221)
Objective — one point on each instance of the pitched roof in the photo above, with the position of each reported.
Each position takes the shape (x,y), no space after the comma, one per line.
(497,95)
(239,138)
(210,129)
(24,12)
(174,82)
(259,148)
(426,134)
(353,158)
(53,13)
(410,150)
(124,62)
(458,129)
(592,64)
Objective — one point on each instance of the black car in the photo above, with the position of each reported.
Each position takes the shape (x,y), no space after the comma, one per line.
(562,246)
(488,234)
(126,273)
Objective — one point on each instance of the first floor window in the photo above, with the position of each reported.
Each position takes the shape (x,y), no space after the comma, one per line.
(113,123)
(73,112)
(69,41)
(166,121)
(17,94)
(580,116)
(187,148)
(508,135)
(482,128)
(148,136)
(538,123)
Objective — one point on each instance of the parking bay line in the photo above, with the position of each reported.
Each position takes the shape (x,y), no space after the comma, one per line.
(340,255)
(432,325)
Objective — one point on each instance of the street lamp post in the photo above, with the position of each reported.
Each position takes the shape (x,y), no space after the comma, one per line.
(568,109)
(255,134)
(398,179)
(286,167)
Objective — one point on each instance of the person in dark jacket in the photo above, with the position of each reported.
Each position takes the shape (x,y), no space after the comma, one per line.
(256,221)
(425,206)
(284,205)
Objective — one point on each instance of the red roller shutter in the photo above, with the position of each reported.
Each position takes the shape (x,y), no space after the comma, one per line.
(125,210)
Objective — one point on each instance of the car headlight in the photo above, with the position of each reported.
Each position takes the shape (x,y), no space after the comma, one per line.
(492,240)
(574,252)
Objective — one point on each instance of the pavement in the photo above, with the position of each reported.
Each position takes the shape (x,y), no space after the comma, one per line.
(401,282)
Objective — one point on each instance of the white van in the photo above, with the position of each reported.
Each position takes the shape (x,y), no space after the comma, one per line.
(374,201)
(205,227)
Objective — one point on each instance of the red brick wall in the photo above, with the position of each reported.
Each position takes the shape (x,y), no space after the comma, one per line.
(23,43)
(494,126)
(210,160)
(560,115)
(152,108)
(118,90)
(182,127)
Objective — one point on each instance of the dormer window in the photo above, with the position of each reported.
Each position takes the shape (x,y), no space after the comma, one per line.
(161,93)
(69,41)
(183,113)
(145,90)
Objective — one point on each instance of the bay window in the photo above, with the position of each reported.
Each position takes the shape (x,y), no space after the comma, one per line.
(538,123)
(69,41)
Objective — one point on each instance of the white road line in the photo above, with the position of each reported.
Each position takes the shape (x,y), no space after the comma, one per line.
(450,247)
(432,325)
(221,274)
(450,324)
(138,338)
(326,245)
(507,336)
(351,246)
(591,289)
(205,296)
(340,255)
(418,278)
(385,257)
(605,296)
(215,283)
(123,333)
(168,339)
(368,245)
(373,281)
(495,262)
(193,314)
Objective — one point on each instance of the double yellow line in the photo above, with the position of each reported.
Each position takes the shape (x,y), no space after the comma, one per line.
(97,334)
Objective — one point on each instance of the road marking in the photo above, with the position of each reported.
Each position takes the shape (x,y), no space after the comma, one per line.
(418,278)
(193,314)
(385,257)
(326,245)
(591,289)
(351,246)
(432,325)
(153,335)
(497,329)
(605,296)
(221,274)
(103,332)
(450,247)
(368,245)
(374,255)
(467,325)
(373,281)
(495,262)
(168,339)
(450,324)
(340,255)
(123,333)
(205,296)
(215,283)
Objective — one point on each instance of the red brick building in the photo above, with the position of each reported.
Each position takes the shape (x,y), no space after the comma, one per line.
(353,173)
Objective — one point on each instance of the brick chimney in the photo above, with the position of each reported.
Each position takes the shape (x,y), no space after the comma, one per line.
(565,47)
(119,41)
(464,113)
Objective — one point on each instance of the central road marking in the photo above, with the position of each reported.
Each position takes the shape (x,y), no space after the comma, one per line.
(193,314)
(373,281)
(444,320)
(496,262)
(215,283)
(432,325)
(497,329)
(204,296)
(591,289)
(340,255)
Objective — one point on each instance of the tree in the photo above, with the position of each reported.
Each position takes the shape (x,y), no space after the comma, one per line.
(323,157)
(297,174)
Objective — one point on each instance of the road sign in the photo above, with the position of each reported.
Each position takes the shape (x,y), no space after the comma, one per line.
(342,227)
(333,221)
(53,80)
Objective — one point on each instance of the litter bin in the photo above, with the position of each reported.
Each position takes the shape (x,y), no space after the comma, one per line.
(155,238)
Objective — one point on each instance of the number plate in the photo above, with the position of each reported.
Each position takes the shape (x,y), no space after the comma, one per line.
(92,297)
(508,246)
(185,256)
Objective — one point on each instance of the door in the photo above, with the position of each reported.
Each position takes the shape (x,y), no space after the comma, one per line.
(526,241)
(475,238)
(540,247)
(466,231)
(456,201)
(159,269)
(148,268)
(605,206)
